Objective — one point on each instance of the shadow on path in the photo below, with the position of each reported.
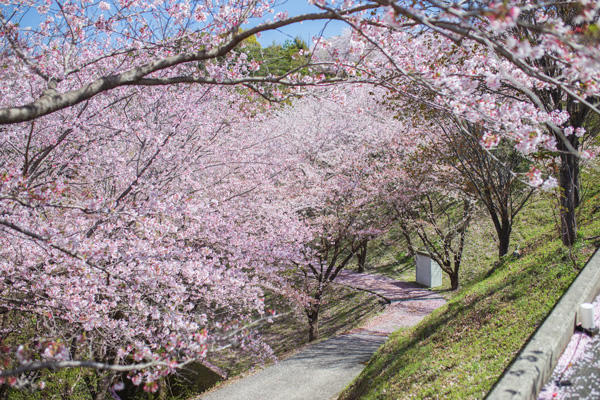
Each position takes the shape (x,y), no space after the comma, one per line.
(322,370)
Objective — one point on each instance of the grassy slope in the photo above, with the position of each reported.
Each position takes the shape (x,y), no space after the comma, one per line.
(461,349)
(387,255)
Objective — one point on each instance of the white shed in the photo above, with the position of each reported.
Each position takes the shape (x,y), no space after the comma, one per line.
(428,272)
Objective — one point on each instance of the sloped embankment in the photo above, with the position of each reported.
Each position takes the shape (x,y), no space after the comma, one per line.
(462,348)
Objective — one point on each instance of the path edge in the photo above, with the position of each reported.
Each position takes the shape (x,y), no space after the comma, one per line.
(534,364)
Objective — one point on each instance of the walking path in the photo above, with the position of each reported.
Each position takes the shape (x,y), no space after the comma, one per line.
(320,371)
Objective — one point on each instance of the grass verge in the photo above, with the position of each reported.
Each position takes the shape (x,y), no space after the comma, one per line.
(460,350)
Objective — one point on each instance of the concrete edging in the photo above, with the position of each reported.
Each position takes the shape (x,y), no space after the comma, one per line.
(535,363)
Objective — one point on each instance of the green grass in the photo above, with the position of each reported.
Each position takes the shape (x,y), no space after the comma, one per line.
(386,256)
(460,350)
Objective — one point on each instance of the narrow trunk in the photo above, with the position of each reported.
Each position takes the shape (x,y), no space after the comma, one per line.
(313,324)
(98,388)
(409,244)
(361,255)
(163,390)
(103,387)
(91,386)
(312,312)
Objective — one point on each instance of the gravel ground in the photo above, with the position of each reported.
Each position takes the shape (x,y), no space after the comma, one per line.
(320,371)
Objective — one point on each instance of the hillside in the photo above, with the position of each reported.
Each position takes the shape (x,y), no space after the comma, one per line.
(461,349)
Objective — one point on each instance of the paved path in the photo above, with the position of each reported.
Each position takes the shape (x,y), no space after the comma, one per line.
(320,371)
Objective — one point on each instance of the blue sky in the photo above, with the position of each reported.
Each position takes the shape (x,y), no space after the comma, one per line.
(305,30)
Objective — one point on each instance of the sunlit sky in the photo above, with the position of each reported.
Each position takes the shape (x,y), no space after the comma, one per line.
(305,30)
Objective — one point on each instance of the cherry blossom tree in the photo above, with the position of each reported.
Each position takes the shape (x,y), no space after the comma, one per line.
(329,137)
(140,226)
(544,55)
(440,223)
(341,224)
(427,200)
(496,176)
(491,175)
(135,235)
(81,49)
(147,199)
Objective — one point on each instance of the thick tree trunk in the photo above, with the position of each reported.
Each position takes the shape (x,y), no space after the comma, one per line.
(568,179)
(361,255)
(569,192)
(504,239)
(454,281)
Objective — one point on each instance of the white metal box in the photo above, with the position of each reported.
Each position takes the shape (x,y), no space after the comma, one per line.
(428,272)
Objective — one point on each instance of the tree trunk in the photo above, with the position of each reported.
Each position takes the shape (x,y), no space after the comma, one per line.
(313,323)
(312,312)
(163,390)
(569,192)
(569,173)
(362,257)
(91,386)
(3,392)
(103,387)
(504,239)
(454,280)
(409,244)
(99,387)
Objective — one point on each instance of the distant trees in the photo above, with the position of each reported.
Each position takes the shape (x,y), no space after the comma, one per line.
(340,225)
(329,138)
(491,175)
(277,59)
(426,200)
(441,224)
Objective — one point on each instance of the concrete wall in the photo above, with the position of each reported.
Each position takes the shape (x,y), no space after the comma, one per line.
(534,365)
